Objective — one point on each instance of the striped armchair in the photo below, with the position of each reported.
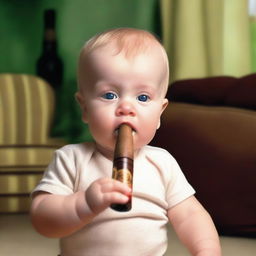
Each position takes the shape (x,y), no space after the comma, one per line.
(26,113)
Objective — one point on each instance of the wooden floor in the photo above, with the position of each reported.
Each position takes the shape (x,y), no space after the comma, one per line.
(18,238)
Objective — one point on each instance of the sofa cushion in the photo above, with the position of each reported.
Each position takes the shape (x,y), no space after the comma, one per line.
(207,91)
(219,90)
(243,94)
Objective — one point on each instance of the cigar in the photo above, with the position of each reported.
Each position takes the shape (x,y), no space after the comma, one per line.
(123,162)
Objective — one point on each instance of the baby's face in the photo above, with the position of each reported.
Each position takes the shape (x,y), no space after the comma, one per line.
(120,90)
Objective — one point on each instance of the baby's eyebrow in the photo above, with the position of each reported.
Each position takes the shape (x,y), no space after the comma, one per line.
(147,88)
(103,86)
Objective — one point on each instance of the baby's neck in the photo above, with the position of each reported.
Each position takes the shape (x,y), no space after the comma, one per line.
(107,153)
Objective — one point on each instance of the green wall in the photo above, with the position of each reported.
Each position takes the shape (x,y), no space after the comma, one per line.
(21,32)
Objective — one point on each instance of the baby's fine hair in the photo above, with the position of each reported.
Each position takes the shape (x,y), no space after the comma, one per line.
(129,41)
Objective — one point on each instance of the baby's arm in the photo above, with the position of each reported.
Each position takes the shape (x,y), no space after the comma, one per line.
(57,215)
(195,228)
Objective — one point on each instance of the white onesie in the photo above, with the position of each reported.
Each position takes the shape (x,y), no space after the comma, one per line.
(158,184)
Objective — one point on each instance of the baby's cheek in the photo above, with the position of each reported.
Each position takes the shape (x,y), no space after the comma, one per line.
(144,138)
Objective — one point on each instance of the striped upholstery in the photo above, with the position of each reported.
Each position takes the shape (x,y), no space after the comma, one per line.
(26,114)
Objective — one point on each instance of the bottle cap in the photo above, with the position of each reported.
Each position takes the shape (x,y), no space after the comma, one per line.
(49,18)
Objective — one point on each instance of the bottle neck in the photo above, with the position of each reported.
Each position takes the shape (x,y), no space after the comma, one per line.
(50,43)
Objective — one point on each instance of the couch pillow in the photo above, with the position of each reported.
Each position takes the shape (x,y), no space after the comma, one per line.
(243,94)
(207,91)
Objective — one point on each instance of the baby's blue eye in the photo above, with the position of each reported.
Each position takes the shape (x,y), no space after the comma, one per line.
(109,96)
(143,97)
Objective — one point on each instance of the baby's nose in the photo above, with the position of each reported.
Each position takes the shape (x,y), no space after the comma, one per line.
(125,108)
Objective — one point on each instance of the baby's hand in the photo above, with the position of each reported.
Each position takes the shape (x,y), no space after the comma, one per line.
(104,192)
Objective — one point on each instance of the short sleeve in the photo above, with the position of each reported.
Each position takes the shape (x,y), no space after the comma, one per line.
(178,188)
(59,177)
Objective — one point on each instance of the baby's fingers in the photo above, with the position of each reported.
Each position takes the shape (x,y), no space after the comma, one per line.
(103,192)
(115,198)
(116,186)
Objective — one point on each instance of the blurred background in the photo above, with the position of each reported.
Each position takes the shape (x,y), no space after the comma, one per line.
(202,37)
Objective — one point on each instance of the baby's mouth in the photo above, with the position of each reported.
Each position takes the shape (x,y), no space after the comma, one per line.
(116,130)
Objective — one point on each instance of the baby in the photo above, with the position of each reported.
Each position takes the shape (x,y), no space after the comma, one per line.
(123,77)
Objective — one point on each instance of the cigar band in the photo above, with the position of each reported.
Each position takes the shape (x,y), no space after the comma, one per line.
(123,175)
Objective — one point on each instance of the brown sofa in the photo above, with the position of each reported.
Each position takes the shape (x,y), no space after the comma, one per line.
(210,128)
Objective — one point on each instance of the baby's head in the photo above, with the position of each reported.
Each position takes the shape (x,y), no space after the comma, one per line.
(130,42)
(123,78)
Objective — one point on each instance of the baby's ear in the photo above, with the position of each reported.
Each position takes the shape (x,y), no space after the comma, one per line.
(164,105)
(81,100)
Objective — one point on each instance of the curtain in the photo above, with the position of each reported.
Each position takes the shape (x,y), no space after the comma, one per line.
(252,13)
(253,36)
(207,38)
